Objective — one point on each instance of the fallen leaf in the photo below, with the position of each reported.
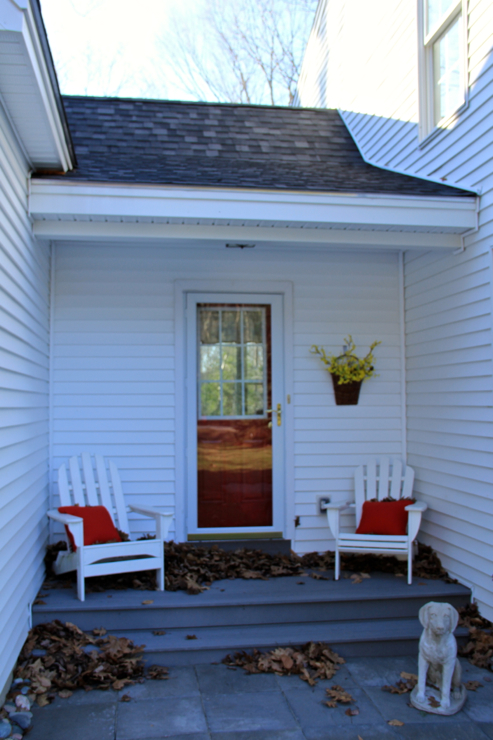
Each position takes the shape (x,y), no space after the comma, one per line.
(191,637)
(99,631)
(65,694)
(433,702)
(158,672)
(395,723)
(158,632)
(338,695)
(312,661)
(409,676)
(42,700)
(39,602)
(148,601)
(473,685)
(126,697)
(359,737)
(352,712)
(300,583)
(318,577)
(399,575)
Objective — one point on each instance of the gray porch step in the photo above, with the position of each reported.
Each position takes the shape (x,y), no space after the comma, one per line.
(360,638)
(374,617)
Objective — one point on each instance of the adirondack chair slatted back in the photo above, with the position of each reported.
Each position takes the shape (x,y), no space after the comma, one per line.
(90,486)
(379,480)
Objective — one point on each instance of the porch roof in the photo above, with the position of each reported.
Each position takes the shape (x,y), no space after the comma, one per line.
(223,145)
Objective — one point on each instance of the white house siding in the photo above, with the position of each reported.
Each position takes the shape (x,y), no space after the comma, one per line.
(24,354)
(447,297)
(113,372)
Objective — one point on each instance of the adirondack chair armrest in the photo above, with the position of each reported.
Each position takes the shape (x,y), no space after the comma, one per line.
(415,511)
(162,519)
(417,506)
(333,511)
(75,524)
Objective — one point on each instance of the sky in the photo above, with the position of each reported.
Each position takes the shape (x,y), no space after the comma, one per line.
(104,47)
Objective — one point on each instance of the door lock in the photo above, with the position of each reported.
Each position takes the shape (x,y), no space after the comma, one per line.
(278,412)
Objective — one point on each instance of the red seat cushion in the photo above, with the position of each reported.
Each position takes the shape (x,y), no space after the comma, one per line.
(384,517)
(98,525)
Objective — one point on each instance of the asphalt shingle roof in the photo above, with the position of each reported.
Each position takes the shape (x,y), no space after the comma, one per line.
(223,145)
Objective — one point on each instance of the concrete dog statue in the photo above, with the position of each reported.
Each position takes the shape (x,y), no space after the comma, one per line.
(438,661)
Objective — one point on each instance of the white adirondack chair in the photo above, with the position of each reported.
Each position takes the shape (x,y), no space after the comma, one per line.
(378,480)
(95,488)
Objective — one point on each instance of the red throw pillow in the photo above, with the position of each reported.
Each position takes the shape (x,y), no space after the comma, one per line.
(384,517)
(98,525)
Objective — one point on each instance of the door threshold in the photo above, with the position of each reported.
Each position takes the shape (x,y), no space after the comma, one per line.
(271,546)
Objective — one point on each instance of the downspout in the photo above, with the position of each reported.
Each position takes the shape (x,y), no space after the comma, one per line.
(402,322)
(475,230)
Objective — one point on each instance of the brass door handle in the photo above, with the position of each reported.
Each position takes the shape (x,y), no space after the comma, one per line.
(277,411)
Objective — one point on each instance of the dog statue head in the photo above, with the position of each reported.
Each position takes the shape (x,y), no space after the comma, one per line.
(438,618)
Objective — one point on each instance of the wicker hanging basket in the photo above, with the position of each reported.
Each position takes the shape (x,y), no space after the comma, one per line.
(346,394)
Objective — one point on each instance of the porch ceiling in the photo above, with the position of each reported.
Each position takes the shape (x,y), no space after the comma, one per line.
(78,211)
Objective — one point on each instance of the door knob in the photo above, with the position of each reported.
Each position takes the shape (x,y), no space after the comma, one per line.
(277,411)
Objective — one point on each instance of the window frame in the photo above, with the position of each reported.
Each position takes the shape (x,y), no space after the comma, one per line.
(428,129)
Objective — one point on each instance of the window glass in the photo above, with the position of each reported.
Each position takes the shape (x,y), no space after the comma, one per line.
(436,11)
(232,374)
(447,72)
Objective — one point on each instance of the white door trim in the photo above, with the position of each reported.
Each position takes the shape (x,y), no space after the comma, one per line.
(182,289)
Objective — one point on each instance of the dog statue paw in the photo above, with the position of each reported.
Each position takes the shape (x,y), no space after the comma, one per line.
(439,689)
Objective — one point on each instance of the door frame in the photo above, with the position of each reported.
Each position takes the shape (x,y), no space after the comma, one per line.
(215,290)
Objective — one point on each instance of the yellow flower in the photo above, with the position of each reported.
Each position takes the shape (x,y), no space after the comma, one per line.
(347,367)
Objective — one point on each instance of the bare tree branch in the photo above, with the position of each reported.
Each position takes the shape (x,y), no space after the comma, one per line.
(240,51)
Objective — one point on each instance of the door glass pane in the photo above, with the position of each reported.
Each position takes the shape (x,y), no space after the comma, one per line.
(254,399)
(447,69)
(210,399)
(232,399)
(231,326)
(253,325)
(209,327)
(231,362)
(210,362)
(233,342)
(254,362)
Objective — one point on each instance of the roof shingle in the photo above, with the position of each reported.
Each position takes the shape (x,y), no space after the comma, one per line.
(224,145)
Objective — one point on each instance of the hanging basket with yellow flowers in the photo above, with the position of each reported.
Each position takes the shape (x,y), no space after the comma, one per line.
(347,370)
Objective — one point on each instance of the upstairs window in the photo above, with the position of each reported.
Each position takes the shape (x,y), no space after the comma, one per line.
(442,63)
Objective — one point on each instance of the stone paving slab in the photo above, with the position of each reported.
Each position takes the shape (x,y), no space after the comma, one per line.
(215,703)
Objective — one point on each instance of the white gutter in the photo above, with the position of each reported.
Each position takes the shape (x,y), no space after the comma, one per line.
(57,199)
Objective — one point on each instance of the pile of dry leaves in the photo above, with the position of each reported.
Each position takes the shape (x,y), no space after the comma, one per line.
(315,660)
(479,647)
(57,658)
(191,568)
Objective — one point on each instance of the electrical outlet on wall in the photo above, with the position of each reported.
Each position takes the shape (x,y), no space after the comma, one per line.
(322,501)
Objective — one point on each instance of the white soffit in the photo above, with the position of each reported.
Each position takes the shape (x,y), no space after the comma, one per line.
(68,210)
(26,88)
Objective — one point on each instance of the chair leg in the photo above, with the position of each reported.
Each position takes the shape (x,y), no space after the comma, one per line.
(410,564)
(160,578)
(81,586)
(337,565)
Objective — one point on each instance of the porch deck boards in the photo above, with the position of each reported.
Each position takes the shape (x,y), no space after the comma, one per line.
(375,617)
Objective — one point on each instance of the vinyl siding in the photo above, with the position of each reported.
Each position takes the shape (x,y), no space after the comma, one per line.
(114,378)
(24,393)
(448,298)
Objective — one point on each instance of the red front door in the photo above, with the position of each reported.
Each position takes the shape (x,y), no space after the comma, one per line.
(234,437)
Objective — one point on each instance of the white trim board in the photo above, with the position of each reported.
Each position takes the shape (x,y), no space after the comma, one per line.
(62,199)
(182,289)
(286,237)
